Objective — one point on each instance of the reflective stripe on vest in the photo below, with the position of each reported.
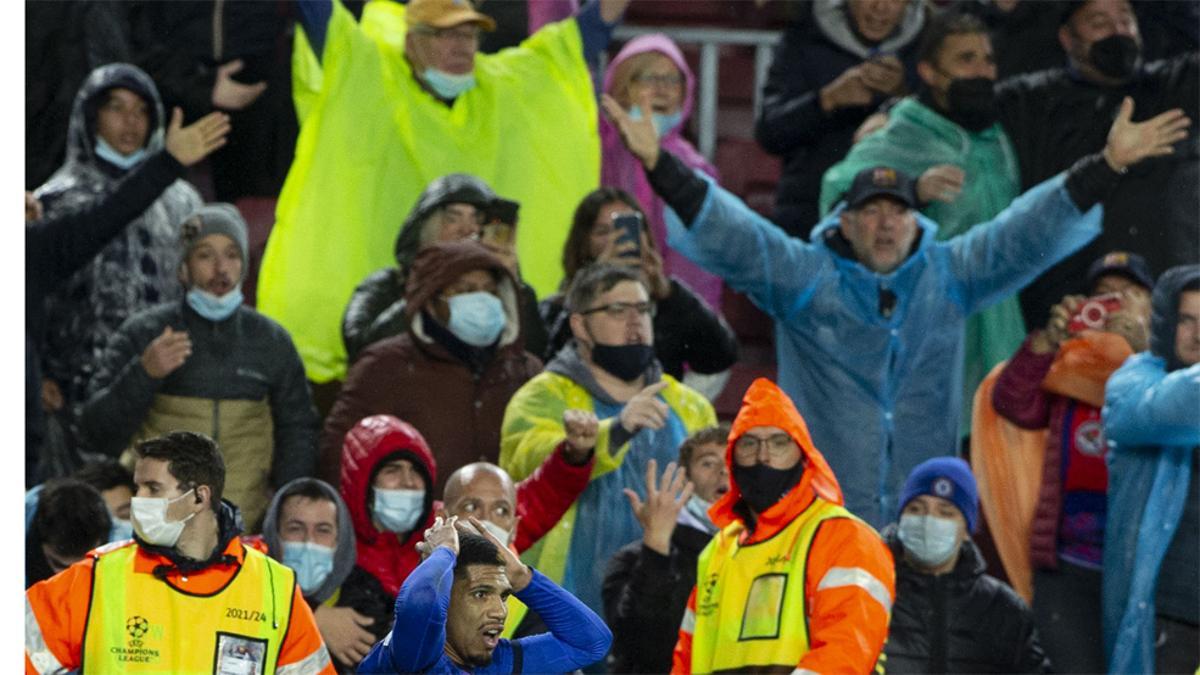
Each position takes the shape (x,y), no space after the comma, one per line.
(750,605)
(138,623)
(39,653)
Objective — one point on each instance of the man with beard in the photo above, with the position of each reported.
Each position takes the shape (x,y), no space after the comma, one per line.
(451,610)
(210,364)
(1055,117)
(947,134)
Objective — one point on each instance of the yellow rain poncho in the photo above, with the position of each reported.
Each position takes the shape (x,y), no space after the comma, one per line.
(372,138)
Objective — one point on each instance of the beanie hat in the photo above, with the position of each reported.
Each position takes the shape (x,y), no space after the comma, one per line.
(949,478)
(216,218)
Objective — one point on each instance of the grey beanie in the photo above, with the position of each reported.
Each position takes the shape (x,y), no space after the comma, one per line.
(216,218)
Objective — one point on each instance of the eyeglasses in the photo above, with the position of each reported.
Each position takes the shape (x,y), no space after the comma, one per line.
(748,448)
(459,33)
(669,80)
(624,310)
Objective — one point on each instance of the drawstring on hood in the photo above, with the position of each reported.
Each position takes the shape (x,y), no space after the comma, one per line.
(1164,311)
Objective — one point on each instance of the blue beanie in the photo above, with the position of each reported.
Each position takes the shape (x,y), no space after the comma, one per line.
(949,478)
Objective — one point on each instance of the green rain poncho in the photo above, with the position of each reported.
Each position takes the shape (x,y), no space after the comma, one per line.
(915,139)
(372,138)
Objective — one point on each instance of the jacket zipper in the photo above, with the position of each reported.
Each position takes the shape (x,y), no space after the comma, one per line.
(218,36)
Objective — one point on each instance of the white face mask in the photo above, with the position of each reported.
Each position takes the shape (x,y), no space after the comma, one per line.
(149,515)
(398,510)
(497,531)
(929,539)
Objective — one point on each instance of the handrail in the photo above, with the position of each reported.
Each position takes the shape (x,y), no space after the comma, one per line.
(710,41)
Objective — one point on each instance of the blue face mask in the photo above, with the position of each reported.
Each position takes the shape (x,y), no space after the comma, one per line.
(662,121)
(312,562)
(214,307)
(110,154)
(448,85)
(398,510)
(476,318)
(122,529)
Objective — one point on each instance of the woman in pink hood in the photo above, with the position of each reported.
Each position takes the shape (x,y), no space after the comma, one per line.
(655,62)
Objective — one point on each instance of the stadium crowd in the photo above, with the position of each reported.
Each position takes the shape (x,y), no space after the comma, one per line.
(480,402)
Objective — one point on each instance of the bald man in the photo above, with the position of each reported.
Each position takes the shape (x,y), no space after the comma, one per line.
(521,513)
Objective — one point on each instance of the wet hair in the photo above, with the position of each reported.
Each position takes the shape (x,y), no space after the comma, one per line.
(714,434)
(193,459)
(71,517)
(942,27)
(105,474)
(577,252)
(474,549)
(594,280)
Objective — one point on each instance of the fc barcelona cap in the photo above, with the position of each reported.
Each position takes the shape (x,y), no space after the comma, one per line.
(446,13)
(881,181)
(949,478)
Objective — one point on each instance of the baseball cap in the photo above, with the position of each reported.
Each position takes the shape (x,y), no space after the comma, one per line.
(446,13)
(1129,265)
(881,181)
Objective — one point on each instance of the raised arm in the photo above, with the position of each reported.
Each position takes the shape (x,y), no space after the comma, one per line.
(716,230)
(1058,216)
(1145,405)
(418,634)
(545,496)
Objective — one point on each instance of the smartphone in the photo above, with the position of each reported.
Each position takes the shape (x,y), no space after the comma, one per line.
(1094,313)
(629,228)
(500,227)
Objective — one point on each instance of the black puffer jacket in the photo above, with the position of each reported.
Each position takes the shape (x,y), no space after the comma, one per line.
(376,308)
(686,330)
(960,622)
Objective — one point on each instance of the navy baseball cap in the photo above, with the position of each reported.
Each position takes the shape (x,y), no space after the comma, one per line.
(881,181)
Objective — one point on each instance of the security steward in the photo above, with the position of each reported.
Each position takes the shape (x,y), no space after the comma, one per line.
(793,582)
(184,596)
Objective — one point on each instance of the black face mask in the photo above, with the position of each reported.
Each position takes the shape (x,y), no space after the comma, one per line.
(627,362)
(762,485)
(1116,56)
(972,102)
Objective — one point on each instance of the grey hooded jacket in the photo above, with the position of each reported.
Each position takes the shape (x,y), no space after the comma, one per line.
(133,272)
(343,557)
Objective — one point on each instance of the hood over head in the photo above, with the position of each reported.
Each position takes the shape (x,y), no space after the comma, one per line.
(440,264)
(81,133)
(367,444)
(765,404)
(657,42)
(343,558)
(449,189)
(832,17)
(1164,311)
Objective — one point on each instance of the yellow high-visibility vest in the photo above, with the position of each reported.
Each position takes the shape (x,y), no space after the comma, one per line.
(750,608)
(139,624)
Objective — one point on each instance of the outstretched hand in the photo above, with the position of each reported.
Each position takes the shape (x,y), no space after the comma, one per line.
(519,574)
(639,136)
(1130,142)
(198,140)
(662,506)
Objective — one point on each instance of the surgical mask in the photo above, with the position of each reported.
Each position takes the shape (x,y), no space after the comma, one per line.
(122,529)
(476,318)
(312,562)
(447,85)
(111,155)
(971,102)
(698,507)
(214,307)
(663,122)
(497,531)
(627,362)
(1115,56)
(398,510)
(929,539)
(150,520)
(762,486)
